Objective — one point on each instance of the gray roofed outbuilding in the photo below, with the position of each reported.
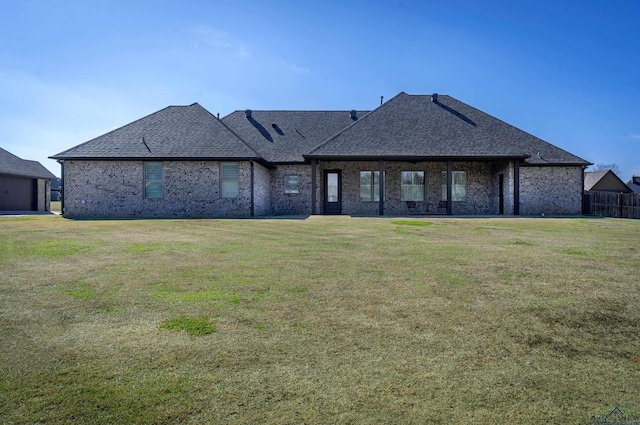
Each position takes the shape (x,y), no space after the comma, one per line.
(15,166)
(604,181)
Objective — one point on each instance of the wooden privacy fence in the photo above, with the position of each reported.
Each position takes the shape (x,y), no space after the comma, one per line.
(611,204)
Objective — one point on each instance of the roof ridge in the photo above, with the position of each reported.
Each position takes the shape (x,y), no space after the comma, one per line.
(517,128)
(9,153)
(119,128)
(356,122)
(258,154)
(296,110)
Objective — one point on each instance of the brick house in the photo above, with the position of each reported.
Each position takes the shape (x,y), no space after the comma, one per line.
(24,184)
(414,154)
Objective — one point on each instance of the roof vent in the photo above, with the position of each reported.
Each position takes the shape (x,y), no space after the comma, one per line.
(353,115)
(248,113)
(434,97)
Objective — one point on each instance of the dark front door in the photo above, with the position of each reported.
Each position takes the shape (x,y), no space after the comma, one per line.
(332,192)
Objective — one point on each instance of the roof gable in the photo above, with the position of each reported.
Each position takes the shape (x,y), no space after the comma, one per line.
(604,180)
(11,164)
(284,136)
(181,132)
(432,126)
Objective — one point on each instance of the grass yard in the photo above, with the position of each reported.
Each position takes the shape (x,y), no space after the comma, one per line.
(324,320)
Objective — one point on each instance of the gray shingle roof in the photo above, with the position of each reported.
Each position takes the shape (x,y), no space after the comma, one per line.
(11,164)
(634,184)
(181,132)
(406,127)
(593,177)
(284,136)
(414,126)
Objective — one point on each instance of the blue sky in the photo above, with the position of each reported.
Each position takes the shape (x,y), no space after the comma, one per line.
(565,71)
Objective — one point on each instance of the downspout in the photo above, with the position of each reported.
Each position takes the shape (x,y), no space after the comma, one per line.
(381,188)
(449,187)
(62,185)
(516,187)
(313,187)
(252,188)
(583,210)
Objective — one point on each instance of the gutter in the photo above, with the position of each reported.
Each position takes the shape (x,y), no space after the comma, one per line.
(260,161)
(417,158)
(62,185)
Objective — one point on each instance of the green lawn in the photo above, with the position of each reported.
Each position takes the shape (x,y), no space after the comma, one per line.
(324,320)
(56,206)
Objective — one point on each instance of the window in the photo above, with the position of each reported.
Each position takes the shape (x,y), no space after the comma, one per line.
(370,185)
(153,180)
(458,186)
(291,184)
(412,185)
(229,177)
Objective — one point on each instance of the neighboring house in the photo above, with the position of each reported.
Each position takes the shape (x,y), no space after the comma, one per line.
(415,154)
(604,181)
(634,184)
(24,185)
(608,196)
(56,189)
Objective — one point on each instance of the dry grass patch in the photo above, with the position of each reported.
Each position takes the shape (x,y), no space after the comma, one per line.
(324,320)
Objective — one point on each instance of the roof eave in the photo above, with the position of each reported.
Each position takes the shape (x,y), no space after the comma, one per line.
(413,158)
(259,160)
(28,175)
(556,164)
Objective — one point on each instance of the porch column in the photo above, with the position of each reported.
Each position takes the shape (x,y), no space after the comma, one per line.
(516,187)
(381,188)
(449,187)
(313,187)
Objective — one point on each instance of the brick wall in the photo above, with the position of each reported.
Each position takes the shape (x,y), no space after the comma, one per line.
(551,190)
(44,195)
(192,189)
(482,187)
(262,190)
(291,203)
(116,189)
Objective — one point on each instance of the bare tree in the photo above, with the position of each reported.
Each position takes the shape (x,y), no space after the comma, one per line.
(613,167)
